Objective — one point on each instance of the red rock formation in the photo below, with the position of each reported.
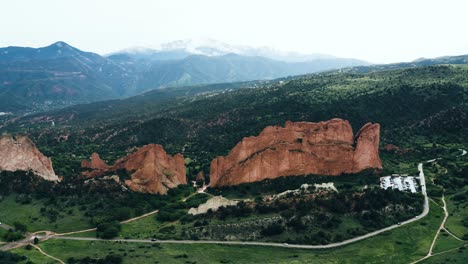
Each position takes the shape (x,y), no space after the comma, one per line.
(93,167)
(95,163)
(299,148)
(20,153)
(391,147)
(151,169)
(366,154)
(396,149)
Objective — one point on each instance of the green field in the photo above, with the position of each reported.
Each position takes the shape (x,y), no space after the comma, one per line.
(2,233)
(453,256)
(36,257)
(458,213)
(402,245)
(30,215)
(142,228)
(445,242)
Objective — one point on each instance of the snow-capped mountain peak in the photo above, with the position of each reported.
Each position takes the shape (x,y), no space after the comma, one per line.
(210,47)
(202,46)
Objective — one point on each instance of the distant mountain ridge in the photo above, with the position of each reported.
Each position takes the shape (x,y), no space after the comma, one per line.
(59,75)
(421,62)
(200,69)
(58,49)
(210,47)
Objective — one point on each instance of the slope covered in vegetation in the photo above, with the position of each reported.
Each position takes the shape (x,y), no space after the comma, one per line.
(428,103)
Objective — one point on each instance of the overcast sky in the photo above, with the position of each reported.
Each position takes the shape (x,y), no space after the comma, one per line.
(375,30)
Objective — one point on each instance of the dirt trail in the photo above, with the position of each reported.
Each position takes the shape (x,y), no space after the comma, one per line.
(453,235)
(332,245)
(440,227)
(47,255)
(94,229)
(442,224)
(139,217)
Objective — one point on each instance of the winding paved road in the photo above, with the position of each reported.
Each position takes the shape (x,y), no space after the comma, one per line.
(271,244)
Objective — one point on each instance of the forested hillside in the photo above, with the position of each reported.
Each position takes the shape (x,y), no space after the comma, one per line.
(40,79)
(427,103)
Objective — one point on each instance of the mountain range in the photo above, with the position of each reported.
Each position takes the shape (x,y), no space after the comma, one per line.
(210,47)
(59,75)
(38,79)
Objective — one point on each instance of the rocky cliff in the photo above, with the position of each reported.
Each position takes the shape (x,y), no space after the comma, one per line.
(20,153)
(299,148)
(150,168)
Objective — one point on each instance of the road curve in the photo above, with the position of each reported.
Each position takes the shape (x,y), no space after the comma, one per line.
(29,239)
(271,244)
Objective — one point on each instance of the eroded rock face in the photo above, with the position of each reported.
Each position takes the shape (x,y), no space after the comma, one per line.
(94,166)
(299,148)
(20,153)
(150,168)
(366,154)
(95,163)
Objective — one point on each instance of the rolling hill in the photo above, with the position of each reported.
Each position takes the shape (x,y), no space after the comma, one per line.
(59,75)
(203,122)
(55,76)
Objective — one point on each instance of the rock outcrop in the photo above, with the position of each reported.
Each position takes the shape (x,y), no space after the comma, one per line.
(299,148)
(213,203)
(20,153)
(150,168)
(366,153)
(95,163)
(395,149)
(94,166)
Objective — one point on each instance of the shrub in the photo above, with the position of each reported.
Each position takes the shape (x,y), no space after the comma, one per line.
(108,230)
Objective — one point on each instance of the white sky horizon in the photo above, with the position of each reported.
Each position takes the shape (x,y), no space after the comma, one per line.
(378,31)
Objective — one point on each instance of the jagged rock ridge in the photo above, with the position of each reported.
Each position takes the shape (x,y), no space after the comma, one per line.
(150,168)
(20,153)
(299,148)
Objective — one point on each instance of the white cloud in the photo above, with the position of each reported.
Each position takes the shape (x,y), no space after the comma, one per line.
(378,31)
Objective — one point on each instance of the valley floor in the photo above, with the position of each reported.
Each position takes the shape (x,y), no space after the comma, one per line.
(426,240)
(403,245)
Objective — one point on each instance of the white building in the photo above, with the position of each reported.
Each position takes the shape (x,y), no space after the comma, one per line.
(402,183)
